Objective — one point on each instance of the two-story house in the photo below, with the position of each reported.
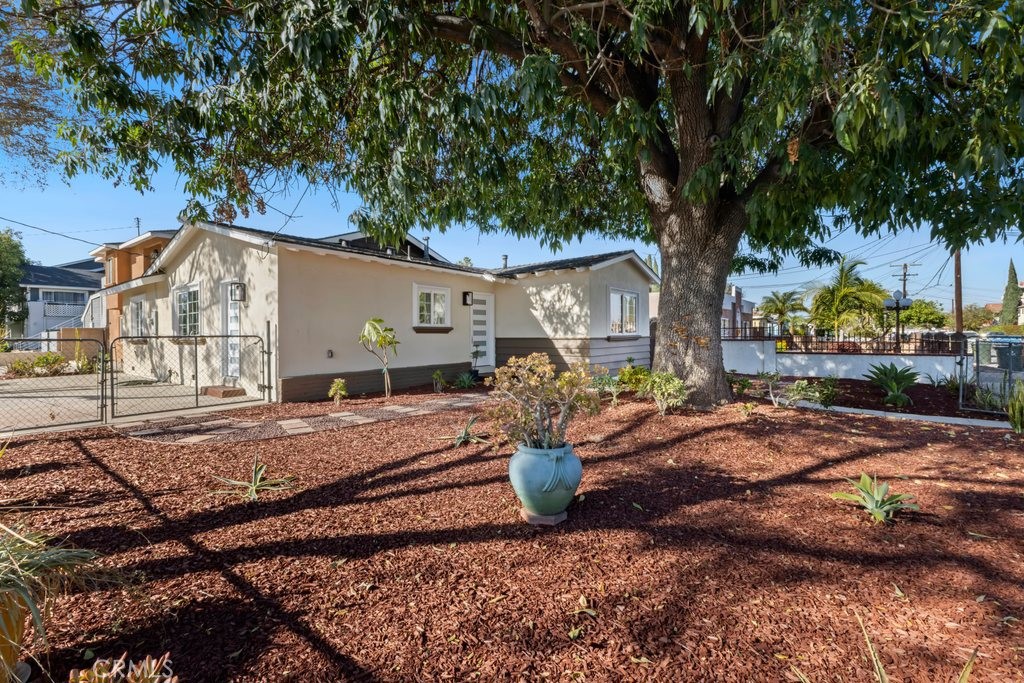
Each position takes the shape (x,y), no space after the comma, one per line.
(56,297)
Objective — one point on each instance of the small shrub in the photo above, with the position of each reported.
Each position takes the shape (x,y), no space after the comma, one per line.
(1015,408)
(739,385)
(338,390)
(800,390)
(827,391)
(747,409)
(439,384)
(381,341)
(464,380)
(876,499)
(21,368)
(894,381)
(771,382)
(120,670)
(50,364)
(258,483)
(608,385)
(633,377)
(667,390)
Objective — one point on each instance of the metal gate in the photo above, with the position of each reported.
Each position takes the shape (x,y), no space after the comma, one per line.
(157,374)
(998,366)
(50,383)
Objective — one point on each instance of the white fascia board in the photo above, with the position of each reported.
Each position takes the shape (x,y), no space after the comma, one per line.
(635,258)
(417,265)
(133,284)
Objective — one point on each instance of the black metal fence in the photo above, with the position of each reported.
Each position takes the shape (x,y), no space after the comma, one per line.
(932,344)
(56,383)
(154,374)
(62,382)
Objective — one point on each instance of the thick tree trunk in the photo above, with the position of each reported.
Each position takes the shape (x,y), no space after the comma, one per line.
(697,247)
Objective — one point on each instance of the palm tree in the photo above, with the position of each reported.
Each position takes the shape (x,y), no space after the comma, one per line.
(783,306)
(847,300)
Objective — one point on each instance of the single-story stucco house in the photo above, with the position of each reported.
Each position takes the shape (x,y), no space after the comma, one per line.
(309,298)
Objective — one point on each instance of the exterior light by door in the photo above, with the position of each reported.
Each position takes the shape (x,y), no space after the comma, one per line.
(236,291)
(467,298)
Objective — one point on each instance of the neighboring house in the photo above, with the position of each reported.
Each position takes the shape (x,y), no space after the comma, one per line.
(120,263)
(737,312)
(56,297)
(312,296)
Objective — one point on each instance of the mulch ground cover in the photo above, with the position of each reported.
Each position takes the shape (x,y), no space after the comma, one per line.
(704,546)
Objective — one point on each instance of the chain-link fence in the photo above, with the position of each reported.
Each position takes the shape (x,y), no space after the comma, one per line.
(49,384)
(998,366)
(154,374)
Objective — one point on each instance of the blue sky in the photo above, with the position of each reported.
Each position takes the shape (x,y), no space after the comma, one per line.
(92,209)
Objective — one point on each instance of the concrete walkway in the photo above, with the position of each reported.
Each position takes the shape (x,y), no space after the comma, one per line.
(215,428)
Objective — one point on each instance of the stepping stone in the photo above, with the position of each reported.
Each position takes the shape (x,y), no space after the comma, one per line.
(360,420)
(291,423)
(198,438)
(246,425)
(400,409)
(186,427)
(224,430)
(215,423)
(425,411)
(146,432)
(341,414)
(299,430)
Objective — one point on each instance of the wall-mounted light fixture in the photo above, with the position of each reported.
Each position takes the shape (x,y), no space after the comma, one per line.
(330,353)
(236,291)
(467,298)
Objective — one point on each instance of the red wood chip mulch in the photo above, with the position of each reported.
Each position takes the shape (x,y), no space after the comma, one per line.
(703,547)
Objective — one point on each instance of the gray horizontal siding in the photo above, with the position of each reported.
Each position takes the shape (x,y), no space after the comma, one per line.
(611,354)
(315,387)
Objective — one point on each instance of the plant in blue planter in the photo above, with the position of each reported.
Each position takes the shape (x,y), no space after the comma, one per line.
(535,405)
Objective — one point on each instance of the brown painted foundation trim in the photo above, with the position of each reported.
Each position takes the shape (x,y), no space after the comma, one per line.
(315,387)
(431,330)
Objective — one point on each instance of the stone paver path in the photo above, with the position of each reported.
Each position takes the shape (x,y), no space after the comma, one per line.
(214,428)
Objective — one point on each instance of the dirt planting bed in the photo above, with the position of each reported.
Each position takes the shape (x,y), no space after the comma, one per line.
(704,546)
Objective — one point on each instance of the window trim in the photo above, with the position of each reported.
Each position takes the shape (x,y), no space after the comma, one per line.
(142,329)
(175,313)
(619,291)
(418,289)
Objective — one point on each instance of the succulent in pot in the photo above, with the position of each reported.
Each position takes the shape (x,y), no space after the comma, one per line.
(534,407)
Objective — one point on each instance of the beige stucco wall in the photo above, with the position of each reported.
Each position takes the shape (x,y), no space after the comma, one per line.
(326,299)
(551,305)
(625,276)
(207,260)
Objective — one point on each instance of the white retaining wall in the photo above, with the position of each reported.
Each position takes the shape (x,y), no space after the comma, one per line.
(749,357)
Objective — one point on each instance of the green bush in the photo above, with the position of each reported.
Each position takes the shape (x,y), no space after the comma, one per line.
(800,390)
(338,390)
(771,382)
(739,385)
(827,391)
(50,364)
(1015,408)
(667,391)
(464,380)
(894,381)
(438,379)
(21,368)
(608,385)
(633,377)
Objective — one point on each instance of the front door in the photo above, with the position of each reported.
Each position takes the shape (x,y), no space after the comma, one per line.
(482,330)
(232,329)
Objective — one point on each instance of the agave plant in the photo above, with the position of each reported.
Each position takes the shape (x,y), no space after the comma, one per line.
(876,499)
(467,435)
(33,570)
(258,483)
(894,381)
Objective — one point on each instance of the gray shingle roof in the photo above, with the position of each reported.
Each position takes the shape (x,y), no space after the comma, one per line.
(55,276)
(559,264)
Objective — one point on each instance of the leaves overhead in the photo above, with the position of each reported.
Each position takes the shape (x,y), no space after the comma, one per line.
(557,119)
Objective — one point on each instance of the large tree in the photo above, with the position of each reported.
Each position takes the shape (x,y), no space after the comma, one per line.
(12,269)
(724,131)
(1011,298)
(923,313)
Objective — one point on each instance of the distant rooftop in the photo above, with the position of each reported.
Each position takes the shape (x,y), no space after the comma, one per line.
(56,276)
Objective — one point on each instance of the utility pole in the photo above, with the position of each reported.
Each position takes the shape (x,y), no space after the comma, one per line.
(958,295)
(138,226)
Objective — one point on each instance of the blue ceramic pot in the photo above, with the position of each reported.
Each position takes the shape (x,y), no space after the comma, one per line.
(545,479)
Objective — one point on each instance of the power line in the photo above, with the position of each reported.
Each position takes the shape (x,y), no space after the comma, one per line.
(66,236)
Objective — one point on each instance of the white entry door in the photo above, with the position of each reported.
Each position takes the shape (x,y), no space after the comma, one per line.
(481,325)
(232,329)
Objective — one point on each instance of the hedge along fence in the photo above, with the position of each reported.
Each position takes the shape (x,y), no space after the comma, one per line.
(751,356)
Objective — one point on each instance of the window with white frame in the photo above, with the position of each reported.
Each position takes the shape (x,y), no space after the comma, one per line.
(433,306)
(136,319)
(57,297)
(623,312)
(186,311)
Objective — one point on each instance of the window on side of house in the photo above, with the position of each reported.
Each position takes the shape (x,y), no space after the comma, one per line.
(433,306)
(136,319)
(623,312)
(59,297)
(186,311)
